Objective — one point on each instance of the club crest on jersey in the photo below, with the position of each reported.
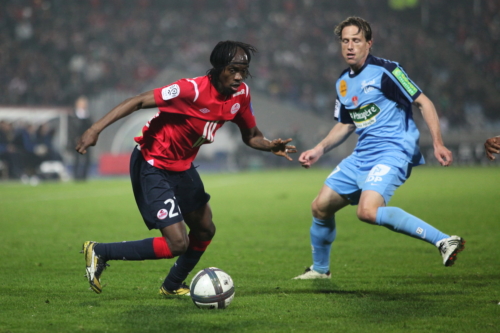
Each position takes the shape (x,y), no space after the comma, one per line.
(170,92)
(162,214)
(235,108)
(204,110)
(241,92)
(355,100)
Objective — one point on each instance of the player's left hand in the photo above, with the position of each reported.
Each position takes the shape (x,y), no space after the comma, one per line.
(443,155)
(279,147)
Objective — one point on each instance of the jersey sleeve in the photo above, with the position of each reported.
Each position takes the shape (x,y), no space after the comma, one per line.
(341,114)
(397,86)
(174,92)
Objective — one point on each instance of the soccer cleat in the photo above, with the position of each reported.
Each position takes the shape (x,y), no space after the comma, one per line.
(449,248)
(311,274)
(183,290)
(95,266)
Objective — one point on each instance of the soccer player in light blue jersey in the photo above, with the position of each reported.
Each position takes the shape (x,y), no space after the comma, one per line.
(374,99)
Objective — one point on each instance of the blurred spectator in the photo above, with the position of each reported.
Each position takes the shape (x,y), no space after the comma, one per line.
(24,147)
(9,154)
(44,147)
(25,143)
(78,124)
(52,51)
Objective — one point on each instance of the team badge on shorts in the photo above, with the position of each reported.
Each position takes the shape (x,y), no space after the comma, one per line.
(162,214)
(377,172)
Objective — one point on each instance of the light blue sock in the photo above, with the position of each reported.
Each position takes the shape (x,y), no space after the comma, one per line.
(323,234)
(400,221)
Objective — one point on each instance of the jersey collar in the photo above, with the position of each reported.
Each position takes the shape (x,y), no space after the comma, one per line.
(367,61)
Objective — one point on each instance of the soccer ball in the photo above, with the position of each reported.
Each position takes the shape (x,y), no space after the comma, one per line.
(212,288)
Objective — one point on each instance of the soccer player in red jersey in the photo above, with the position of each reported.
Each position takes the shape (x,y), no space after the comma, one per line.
(167,188)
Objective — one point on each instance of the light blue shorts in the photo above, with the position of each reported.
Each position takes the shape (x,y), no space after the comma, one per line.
(383,175)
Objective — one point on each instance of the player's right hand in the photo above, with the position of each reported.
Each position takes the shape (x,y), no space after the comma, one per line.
(89,138)
(309,157)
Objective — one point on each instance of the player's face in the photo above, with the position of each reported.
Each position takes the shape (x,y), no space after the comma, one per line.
(234,74)
(355,48)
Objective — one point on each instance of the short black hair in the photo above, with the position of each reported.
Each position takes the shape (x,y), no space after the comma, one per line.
(223,53)
(362,25)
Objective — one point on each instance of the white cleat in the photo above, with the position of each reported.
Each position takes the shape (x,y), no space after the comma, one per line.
(311,274)
(449,248)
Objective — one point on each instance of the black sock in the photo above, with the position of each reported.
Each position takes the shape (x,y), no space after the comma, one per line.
(133,250)
(181,269)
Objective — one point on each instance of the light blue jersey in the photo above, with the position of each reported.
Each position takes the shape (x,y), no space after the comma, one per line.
(378,101)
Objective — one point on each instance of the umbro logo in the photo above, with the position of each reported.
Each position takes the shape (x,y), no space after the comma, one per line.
(204,110)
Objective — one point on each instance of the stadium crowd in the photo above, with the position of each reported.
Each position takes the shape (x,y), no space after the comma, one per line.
(52,51)
(24,147)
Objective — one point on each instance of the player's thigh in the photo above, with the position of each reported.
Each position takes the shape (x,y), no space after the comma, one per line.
(193,201)
(343,180)
(190,192)
(369,203)
(388,174)
(154,192)
(200,223)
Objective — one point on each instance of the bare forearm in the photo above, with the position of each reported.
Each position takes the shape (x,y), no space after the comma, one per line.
(253,138)
(431,119)
(338,134)
(259,143)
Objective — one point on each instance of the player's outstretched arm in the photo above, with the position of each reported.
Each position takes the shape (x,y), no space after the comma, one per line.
(492,146)
(338,134)
(442,154)
(254,138)
(89,138)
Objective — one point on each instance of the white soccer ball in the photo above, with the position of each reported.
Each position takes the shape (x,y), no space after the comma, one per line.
(212,288)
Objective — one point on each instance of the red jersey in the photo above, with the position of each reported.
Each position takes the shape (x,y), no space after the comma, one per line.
(191,111)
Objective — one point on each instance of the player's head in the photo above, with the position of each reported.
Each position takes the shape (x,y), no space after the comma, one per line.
(230,62)
(355,35)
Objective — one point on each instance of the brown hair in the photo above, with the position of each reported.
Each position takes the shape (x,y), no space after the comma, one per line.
(362,25)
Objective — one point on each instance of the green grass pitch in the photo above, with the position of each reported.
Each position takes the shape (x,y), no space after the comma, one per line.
(381,281)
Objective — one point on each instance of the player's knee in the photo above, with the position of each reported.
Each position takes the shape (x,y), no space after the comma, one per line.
(319,212)
(367,214)
(316,212)
(206,233)
(178,245)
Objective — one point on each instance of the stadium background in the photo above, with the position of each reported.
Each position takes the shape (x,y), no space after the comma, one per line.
(54,51)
